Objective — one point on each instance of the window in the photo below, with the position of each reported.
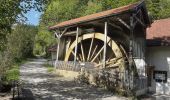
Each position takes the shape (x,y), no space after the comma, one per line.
(160,76)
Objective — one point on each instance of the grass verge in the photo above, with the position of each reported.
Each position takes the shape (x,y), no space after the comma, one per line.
(49,67)
(11,75)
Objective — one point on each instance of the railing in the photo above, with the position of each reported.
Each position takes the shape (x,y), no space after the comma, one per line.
(73,66)
(16,90)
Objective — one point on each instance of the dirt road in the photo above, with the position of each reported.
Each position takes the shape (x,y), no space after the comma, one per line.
(41,85)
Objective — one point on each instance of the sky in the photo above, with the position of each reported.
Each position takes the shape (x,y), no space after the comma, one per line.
(33,17)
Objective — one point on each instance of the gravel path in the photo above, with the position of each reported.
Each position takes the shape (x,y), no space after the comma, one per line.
(41,85)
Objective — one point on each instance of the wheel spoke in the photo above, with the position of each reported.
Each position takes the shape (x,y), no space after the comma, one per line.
(97,54)
(93,52)
(113,61)
(90,49)
(110,57)
(100,57)
(82,51)
(98,60)
(81,57)
(74,55)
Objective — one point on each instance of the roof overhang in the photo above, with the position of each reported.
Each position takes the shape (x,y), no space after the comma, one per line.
(129,9)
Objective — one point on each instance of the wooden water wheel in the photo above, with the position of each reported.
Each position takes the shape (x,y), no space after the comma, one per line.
(90,49)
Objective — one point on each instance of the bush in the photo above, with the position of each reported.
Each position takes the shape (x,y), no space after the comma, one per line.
(11,75)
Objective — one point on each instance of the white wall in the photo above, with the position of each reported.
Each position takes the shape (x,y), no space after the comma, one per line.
(53,55)
(160,57)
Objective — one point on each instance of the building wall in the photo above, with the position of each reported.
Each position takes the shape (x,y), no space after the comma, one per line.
(160,57)
(53,55)
(139,55)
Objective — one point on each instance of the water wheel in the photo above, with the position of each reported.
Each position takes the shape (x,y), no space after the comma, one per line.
(90,49)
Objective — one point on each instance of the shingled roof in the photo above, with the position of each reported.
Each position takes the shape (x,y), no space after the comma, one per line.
(159,33)
(108,13)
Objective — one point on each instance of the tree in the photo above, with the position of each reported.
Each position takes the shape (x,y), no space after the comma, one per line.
(158,9)
(11,11)
(20,45)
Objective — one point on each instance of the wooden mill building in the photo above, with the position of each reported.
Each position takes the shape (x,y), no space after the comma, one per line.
(112,40)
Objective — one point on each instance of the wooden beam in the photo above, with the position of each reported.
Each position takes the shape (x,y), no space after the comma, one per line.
(139,21)
(105,43)
(58,48)
(111,22)
(76,45)
(56,33)
(131,51)
(124,23)
(63,32)
(71,33)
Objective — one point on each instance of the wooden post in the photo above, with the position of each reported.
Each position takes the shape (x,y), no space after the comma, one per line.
(131,53)
(58,48)
(105,44)
(77,33)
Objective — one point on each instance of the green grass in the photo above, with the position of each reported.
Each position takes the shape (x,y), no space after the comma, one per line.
(49,67)
(11,75)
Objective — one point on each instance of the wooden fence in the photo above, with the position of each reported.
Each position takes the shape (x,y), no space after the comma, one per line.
(73,66)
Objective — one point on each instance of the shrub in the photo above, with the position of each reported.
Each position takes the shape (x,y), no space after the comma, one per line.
(11,75)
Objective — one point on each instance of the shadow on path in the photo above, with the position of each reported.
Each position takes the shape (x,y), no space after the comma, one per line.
(41,85)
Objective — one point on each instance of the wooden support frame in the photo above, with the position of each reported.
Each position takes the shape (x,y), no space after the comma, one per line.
(105,43)
(131,44)
(124,23)
(58,49)
(59,35)
(139,19)
(112,24)
(77,34)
